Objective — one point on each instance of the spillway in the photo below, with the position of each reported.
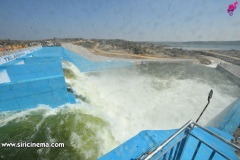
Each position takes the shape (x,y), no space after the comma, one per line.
(114,101)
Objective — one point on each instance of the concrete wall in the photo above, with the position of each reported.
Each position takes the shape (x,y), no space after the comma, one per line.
(38,80)
(13,55)
(18,73)
(86,65)
(28,94)
(231,122)
(230,75)
(148,140)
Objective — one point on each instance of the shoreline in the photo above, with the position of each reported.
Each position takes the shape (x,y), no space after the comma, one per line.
(127,57)
(215,62)
(139,60)
(209,59)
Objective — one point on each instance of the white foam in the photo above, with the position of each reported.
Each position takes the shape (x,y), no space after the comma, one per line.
(6,117)
(130,102)
(20,62)
(213,65)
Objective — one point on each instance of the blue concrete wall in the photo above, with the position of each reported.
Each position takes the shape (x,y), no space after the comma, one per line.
(232,120)
(18,73)
(146,140)
(28,94)
(86,65)
(13,55)
(83,64)
(71,98)
(37,60)
(49,52)
(39,80)
(138,145)
(204,151)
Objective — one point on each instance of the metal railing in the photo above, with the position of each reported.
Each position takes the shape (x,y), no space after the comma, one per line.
(173,147)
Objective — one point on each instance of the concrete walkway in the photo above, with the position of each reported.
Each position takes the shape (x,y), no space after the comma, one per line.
(234,69)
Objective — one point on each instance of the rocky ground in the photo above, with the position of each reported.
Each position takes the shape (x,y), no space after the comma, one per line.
(236,139)
(116,48)
(147,50)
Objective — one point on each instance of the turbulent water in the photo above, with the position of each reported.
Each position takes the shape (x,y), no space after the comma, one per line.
(115,105)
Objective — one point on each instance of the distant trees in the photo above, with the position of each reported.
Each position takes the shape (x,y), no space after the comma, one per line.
(113,45)
(136,50)
(86,44)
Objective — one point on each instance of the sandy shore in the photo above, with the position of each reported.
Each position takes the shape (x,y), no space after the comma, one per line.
(84,52)
(138,59)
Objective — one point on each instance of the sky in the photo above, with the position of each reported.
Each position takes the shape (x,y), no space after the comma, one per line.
(135,20)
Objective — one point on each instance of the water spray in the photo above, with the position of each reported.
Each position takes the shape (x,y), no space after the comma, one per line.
(209,98)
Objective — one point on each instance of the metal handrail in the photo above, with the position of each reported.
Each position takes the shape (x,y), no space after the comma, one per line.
(217,136)
(190,124)
(201,141)
(155,151)
(170,147)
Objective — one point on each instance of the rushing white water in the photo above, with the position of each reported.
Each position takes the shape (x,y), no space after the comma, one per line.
(114,106)
(154,96)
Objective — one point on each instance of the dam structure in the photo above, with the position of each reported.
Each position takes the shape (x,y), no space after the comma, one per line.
(191,141)
(36,76)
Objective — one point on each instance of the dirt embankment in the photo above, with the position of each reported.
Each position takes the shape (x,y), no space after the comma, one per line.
(236,139)
(115,48)
(100,55)
(227,56)
(129,50)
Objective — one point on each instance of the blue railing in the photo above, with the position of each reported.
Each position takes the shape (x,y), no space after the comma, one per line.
(174,147)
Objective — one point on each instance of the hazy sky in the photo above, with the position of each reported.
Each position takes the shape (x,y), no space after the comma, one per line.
(138,20)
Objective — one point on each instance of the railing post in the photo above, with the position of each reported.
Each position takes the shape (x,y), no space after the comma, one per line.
(160,147)
(183,143)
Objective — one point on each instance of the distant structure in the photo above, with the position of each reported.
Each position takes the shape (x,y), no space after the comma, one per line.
(51,43)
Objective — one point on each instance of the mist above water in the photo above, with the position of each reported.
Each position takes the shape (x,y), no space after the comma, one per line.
(156,96)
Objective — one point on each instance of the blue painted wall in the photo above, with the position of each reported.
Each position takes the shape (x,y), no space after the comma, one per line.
(86,65)
(147,140)
(18,73)
(13,55)
(232,120)
(39,80)
(28,94)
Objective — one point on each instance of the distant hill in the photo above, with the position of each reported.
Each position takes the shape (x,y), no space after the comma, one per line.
(214,42)
(202,43)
